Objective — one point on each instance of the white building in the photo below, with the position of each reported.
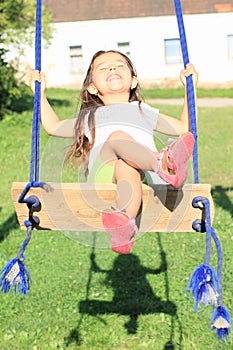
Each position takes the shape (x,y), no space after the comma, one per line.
(145,30)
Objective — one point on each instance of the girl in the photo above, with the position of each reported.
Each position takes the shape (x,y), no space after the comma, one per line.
(113,136)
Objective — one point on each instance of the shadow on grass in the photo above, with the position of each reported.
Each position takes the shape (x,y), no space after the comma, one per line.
(133,296)
(222,199)
(10,224)
(55,102)
(25,101)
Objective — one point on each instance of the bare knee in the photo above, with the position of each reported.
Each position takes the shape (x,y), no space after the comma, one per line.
(119,135)
(123,171)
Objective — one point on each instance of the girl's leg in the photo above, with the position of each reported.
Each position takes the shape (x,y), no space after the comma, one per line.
(121,226)
(128,157)
(170,163)
(129,188)
(120,145)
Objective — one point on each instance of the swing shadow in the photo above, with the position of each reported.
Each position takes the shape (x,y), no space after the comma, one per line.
(168,196)
(133,296)
(222,199)
(10,224)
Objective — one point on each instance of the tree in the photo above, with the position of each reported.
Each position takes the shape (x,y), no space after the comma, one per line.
(17,31)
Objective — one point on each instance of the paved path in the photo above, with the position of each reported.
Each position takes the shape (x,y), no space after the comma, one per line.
(202,102)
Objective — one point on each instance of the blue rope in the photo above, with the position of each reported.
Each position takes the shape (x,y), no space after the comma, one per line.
(203,226)
(15,274)
(219,271)
(35,146)
(35,149)
(205,284)
(190,87)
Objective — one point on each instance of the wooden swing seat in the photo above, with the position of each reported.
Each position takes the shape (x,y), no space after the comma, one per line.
(78,206)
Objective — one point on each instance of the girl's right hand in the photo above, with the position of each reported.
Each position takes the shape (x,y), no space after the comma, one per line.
(37,76)
(189,70)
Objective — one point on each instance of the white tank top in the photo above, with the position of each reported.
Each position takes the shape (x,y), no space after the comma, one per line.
(137,121)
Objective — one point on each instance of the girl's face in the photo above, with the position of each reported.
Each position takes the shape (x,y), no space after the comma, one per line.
(111,78)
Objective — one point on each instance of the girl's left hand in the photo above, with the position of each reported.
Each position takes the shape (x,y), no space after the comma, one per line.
(190,70)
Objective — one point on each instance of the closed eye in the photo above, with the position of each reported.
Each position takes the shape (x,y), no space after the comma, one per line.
(102,68)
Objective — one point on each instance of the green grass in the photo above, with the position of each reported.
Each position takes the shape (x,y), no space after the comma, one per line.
(148,94)
(85,298)
(179,93)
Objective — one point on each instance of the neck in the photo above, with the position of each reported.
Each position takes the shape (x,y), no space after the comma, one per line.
(114,98)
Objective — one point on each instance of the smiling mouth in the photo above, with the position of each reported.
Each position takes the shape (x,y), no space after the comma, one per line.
(113,77)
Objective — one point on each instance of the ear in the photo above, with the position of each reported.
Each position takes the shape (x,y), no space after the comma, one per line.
(134,82)
(92,89)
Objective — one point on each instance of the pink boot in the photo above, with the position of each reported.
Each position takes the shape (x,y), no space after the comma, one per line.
(121,228)
(178,154)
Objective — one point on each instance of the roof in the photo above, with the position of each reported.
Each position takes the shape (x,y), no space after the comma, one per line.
(80,10)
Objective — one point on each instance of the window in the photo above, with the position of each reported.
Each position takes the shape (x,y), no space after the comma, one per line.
(76,59)
(172,51)
(230,46)
(124,47)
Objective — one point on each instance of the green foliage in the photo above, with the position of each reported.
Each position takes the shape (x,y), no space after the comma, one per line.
(15,96)
(17,22)
(17,29)
(8,84)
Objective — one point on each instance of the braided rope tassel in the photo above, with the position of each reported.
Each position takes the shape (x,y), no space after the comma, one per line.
(205,284)
(221,320)
(15,274)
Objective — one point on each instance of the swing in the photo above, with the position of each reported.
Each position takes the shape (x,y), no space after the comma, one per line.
(78,207)
(75,207)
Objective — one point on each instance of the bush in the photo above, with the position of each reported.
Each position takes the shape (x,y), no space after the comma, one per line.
(9,89)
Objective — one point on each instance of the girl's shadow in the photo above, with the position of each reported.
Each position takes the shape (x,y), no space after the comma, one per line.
(133,295)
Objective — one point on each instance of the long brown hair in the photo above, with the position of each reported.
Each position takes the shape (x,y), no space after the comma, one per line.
(89,103)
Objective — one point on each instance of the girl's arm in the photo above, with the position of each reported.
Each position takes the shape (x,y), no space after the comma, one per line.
(49,119)
(172,126)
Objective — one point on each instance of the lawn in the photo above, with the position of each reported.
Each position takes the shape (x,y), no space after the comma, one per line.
(84,297)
